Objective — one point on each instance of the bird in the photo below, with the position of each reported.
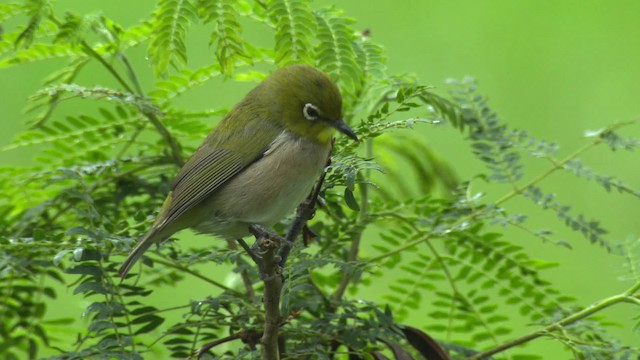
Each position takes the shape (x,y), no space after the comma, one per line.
(257,164)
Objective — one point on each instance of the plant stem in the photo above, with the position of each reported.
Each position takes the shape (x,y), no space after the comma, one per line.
(173,145)
(627,296)
(130,72)
(554,168)
(505,198)
(92,53)
(197,275)
(362,217)
(272,278)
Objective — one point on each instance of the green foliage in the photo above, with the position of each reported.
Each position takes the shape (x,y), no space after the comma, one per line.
(294,27)
(446,251)
(226,36)
(335,52)
(170,24)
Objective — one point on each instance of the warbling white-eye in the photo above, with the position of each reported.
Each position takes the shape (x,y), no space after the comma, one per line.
(258,164)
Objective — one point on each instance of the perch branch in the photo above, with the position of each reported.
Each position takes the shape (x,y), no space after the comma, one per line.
(271,263)
(628,296)
(272,278)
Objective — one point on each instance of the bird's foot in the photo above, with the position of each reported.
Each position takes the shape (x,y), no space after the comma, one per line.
(264,250)
(261,233)
(255,257)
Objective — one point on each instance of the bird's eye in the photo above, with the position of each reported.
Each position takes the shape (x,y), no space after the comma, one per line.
(310,112)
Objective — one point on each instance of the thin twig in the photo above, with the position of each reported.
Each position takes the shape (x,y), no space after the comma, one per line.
(359,228)
(247,336)
(271,266)
(176,154)
(130,72)
(558,166)
(194,273)
(244,274)
(627,296)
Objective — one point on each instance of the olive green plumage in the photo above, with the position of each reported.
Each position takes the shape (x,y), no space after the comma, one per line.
(258,164)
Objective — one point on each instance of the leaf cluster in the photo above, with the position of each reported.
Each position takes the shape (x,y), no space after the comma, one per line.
(442,257)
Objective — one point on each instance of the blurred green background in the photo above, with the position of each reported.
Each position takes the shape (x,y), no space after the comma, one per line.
(555,68)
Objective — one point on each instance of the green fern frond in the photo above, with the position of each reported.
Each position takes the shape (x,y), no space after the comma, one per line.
(607,182)
(74,28)
(629,250)
(468,314)
(294,24)
(444,108)
(136,34)
(470,260)
(616,142)
(589,229)
(38,10)
(62,92)
(420,276)
(334,52)
(377,123)
(38,52)
(10,10)
(65,75)
(486,129)
(370,58)
(184,81)
(429,169)
(190,124)
(74,136)
(226,36)
(508,266)
(170,24)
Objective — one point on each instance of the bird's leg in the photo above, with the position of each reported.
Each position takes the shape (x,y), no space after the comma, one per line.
(256,259)
(266,240)
(261,233)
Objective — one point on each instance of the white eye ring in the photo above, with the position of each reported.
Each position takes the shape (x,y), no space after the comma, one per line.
(310,112)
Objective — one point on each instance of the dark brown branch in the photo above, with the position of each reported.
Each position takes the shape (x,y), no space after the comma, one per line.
(247,336)
(272,278)
(271,266)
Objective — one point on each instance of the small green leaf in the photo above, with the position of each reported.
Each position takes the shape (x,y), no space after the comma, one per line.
(97,326)
(85,269)
(350,199)
(90,286)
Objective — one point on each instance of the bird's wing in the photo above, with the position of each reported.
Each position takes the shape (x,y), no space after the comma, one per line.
(214,163)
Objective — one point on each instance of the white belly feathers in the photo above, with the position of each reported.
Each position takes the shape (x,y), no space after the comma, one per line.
(285,174)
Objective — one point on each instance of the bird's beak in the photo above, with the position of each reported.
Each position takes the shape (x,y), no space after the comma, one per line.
(341,126)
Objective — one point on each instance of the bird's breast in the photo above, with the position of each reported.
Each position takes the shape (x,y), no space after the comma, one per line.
(268,189)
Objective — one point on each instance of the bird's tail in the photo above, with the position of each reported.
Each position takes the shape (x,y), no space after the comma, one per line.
(143,245)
